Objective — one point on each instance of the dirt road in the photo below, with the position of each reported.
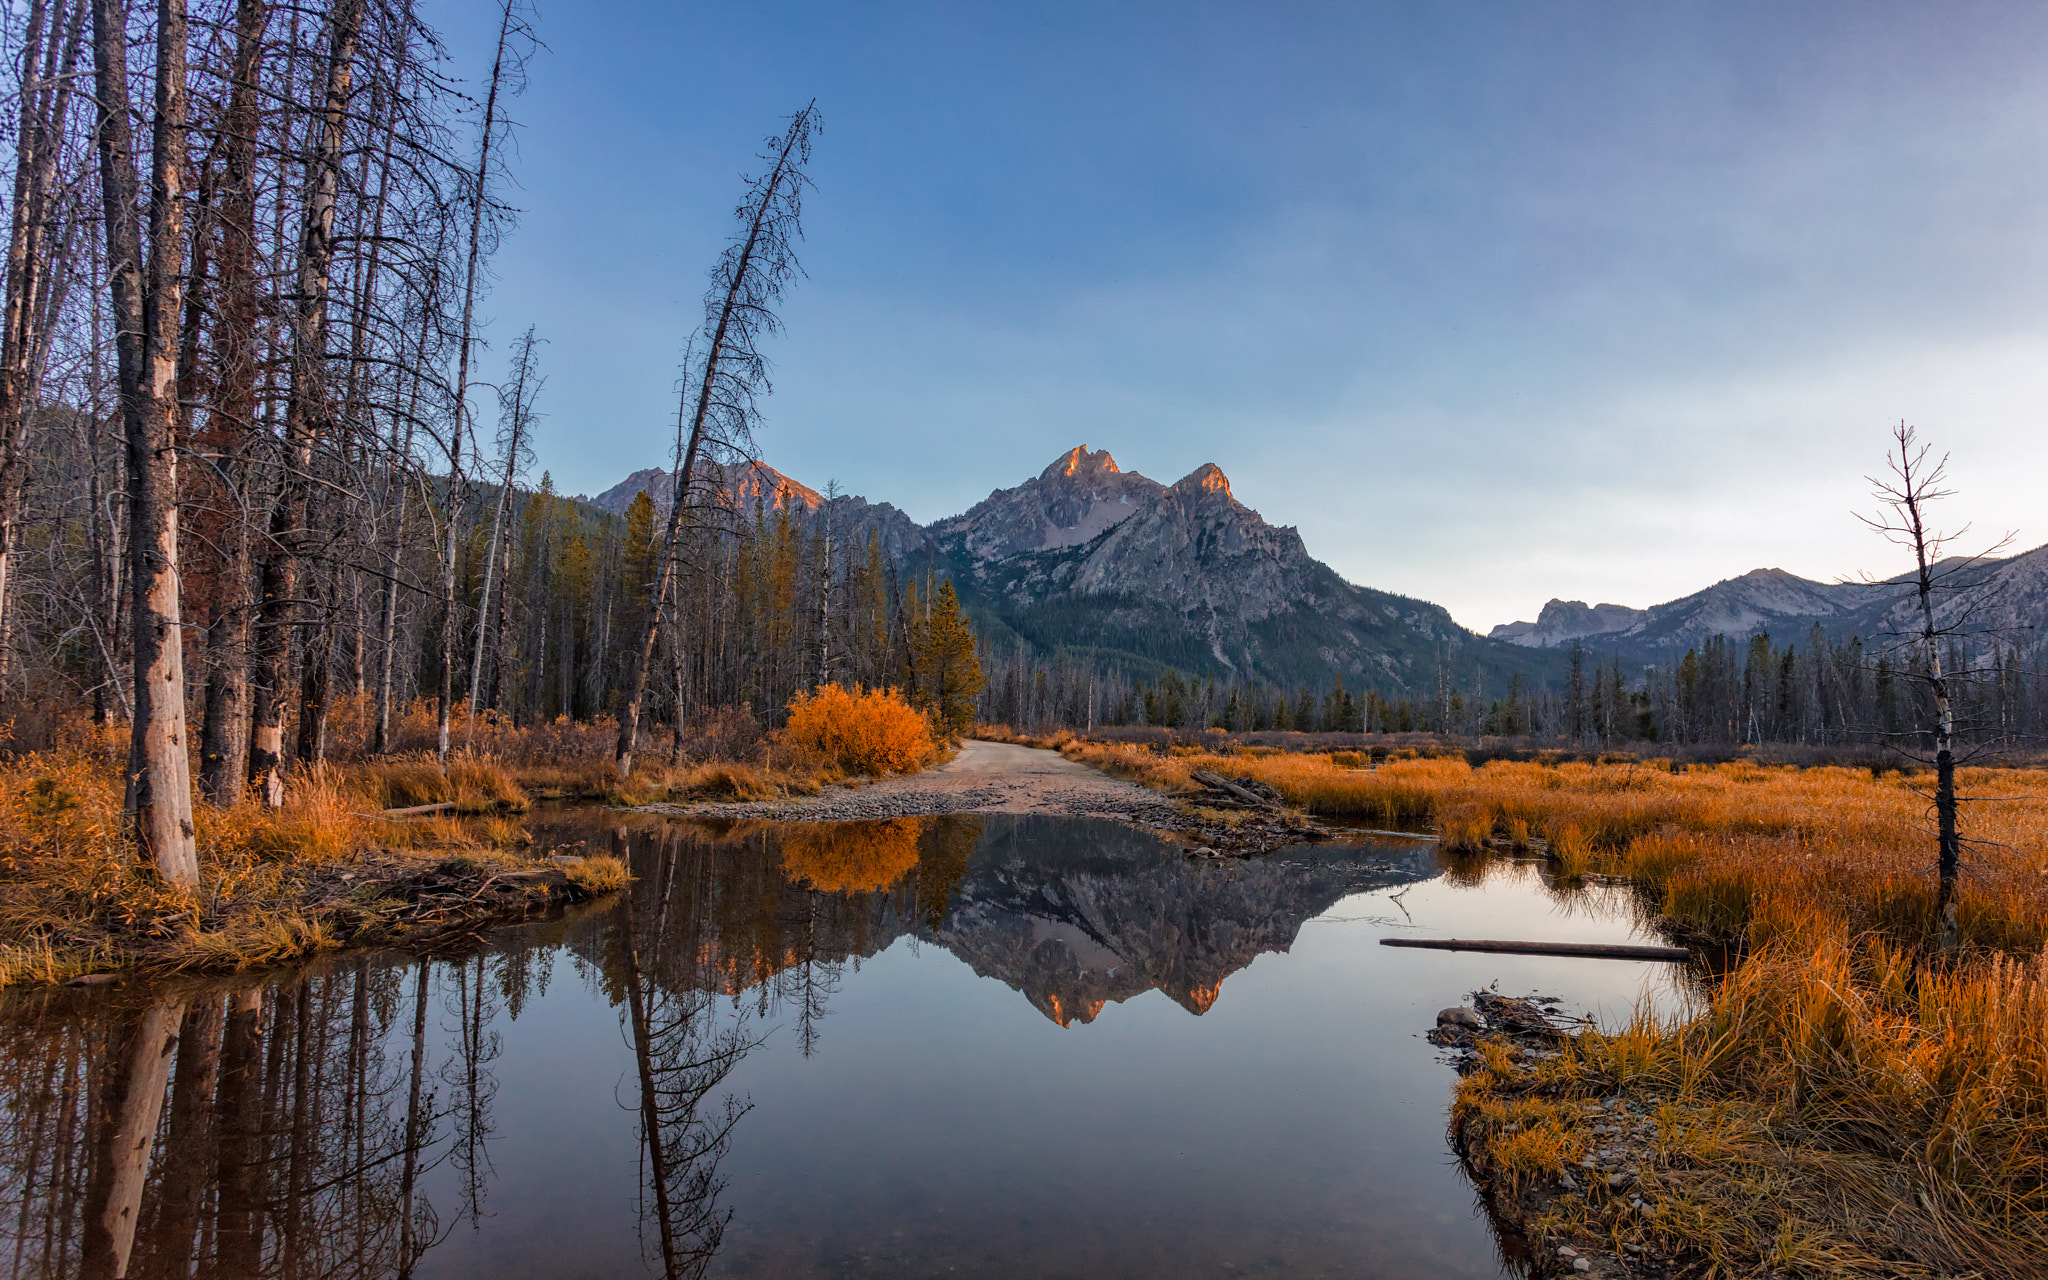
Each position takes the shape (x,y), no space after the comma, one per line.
(985,777)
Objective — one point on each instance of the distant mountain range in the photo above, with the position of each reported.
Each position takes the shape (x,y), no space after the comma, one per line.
(1094,560)
(2008,599)
(1105,563)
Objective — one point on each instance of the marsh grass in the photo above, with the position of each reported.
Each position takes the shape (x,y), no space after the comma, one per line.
(599,873)
(1849,1098)
(1836,1108)
(75,895)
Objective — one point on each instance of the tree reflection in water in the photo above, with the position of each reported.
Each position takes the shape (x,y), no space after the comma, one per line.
(295,1126)
(229,1131)
(720,913)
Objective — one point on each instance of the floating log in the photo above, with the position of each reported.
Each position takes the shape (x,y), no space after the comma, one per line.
(418,810)
(1587,950)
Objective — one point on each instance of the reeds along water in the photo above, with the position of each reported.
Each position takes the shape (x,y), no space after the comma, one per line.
(1707,841)
(1853,1096)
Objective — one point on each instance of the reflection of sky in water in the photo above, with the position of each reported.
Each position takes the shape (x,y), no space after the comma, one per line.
(1038,1047)
(944,1125)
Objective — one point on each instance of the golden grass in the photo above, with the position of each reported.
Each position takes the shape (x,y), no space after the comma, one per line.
(1706,845)
(74,894)
(1850,1099)
(599,873)
(1837,1108)
(473,783)
(1053,741)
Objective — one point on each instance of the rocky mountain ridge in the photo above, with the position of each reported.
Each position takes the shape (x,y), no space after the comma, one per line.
(749,486)
(1094,560)
(2003,599)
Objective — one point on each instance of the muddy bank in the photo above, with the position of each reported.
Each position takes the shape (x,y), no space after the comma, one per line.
(1573,1171)
(380,898)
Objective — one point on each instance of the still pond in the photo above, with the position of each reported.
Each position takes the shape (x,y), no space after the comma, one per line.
(960,1046)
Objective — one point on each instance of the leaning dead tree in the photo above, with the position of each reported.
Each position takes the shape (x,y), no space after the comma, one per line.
(1942,606)
(749,280)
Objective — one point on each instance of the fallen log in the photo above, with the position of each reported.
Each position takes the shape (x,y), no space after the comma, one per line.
(418,810)
(1225,785)
(1587,950)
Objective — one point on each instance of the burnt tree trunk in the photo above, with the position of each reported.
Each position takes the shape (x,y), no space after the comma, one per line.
(224,737)
(306,410)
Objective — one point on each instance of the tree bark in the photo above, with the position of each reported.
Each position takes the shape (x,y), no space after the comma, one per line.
(224,736)
(146,315)
(307,412)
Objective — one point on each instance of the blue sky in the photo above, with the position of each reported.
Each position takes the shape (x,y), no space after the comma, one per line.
(1495,302)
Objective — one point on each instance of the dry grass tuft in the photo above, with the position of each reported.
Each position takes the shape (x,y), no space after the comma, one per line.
(1839,1107)
(728,782)
(599,873)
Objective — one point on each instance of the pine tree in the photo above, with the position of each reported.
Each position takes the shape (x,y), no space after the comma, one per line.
(639,554)
(949,675)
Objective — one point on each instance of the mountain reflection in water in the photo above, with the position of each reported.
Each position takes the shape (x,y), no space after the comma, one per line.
(339,1120)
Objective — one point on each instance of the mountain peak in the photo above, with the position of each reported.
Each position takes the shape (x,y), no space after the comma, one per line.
(1078,462)
(1207,478)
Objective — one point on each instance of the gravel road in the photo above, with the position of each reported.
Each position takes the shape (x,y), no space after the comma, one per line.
(986,777)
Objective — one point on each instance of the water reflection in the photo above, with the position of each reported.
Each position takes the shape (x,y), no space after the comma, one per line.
(235,1131)
(340,1120)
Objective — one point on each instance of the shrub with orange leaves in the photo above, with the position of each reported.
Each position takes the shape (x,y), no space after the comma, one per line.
(860,731)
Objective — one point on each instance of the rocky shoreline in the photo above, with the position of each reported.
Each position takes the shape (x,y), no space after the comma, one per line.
(1593,1214)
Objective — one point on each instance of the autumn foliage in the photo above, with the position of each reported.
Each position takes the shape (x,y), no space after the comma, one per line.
(860,731)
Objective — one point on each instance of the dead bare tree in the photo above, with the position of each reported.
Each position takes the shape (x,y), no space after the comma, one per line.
(1915,480)
(224,449)
(43,104)
(147,302)
(749,279)
(506,71)
(516,402)
(307,411)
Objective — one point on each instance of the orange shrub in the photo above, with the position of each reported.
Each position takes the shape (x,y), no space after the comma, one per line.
(860,731)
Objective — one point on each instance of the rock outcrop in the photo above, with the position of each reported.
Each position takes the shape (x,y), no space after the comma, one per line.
(744,487)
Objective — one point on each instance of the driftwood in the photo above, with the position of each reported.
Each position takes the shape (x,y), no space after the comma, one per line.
(1587,950)
(1227,793)
(418,810)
